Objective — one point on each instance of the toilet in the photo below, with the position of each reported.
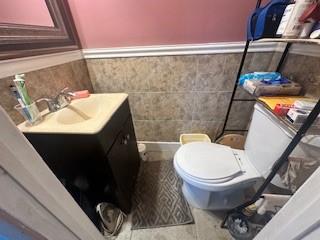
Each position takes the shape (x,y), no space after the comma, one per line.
(216,177)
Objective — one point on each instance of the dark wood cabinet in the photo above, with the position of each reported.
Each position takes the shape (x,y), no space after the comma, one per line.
(122,159)
(102,166)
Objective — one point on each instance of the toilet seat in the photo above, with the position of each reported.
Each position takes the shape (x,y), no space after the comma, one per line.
(242,171)
(208,162)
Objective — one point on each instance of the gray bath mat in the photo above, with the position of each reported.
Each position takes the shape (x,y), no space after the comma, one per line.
(158,200)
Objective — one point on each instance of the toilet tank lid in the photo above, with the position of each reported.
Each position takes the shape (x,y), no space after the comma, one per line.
(207,161)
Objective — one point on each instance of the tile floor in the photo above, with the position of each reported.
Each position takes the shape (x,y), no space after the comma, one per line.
(206,227)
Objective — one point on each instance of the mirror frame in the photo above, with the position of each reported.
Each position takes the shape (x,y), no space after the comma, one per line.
(18,40)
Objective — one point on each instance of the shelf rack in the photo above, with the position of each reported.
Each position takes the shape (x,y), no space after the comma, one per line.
(291,40)
(288,42)
(299,132)
(294,128)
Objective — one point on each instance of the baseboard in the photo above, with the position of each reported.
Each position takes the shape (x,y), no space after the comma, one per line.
(161,146)
(160,151)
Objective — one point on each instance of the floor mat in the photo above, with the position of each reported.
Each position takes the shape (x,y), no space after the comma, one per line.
(158,200)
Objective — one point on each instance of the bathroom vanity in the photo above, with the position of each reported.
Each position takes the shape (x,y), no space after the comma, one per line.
(91,150)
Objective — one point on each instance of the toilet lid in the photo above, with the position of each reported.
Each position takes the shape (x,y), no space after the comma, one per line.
(208,161)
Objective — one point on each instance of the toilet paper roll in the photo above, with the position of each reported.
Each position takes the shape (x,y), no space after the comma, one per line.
(315,34)
(315,31)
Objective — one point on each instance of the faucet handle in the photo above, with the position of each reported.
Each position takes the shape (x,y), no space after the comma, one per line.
(64,97)
(47,100)
(66,92)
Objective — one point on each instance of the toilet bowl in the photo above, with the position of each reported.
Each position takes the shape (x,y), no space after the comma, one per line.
(216,177)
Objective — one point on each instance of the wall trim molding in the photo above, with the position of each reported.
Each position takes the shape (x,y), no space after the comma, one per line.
(27,64)
(180,49)
(195,49)
(20,65)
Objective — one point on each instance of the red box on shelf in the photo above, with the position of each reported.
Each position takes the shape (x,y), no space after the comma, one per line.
(281,110)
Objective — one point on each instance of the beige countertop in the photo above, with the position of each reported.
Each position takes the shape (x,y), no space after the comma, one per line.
(82,116)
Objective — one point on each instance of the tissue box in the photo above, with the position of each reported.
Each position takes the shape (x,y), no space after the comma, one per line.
(298,116)
(259,88)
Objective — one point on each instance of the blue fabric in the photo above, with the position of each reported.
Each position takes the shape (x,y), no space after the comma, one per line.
(264,21)
(282,80)
(260,76)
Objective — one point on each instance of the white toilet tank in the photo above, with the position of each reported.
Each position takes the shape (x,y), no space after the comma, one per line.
(267,139)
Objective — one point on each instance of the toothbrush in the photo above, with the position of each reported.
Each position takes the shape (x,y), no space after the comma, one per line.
(21,88)
(17,96)
(22,91)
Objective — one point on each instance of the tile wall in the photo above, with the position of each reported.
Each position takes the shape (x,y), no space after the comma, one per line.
(304,70)
(171,95)
(46,82)
(168,95)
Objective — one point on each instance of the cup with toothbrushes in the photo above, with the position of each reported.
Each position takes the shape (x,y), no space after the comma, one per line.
(26,107)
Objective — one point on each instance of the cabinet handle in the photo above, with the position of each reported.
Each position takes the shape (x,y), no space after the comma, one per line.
(128,137)
(124,140)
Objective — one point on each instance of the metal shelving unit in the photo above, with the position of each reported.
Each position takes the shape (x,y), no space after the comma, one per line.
(291,40)
(300,132)
(288,42)
(292,127)
(244,54)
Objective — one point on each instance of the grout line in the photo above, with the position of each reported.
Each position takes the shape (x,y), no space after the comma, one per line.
(193,93)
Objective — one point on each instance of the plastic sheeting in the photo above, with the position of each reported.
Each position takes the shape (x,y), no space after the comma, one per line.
(304,160)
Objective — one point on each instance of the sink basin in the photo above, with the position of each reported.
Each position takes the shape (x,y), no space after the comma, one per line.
(82,116)
(79,111)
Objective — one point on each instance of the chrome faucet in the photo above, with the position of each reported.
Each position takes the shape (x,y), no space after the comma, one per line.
(62,100)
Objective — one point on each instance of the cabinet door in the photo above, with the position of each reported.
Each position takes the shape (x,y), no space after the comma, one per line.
(133,153)
(124,161)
